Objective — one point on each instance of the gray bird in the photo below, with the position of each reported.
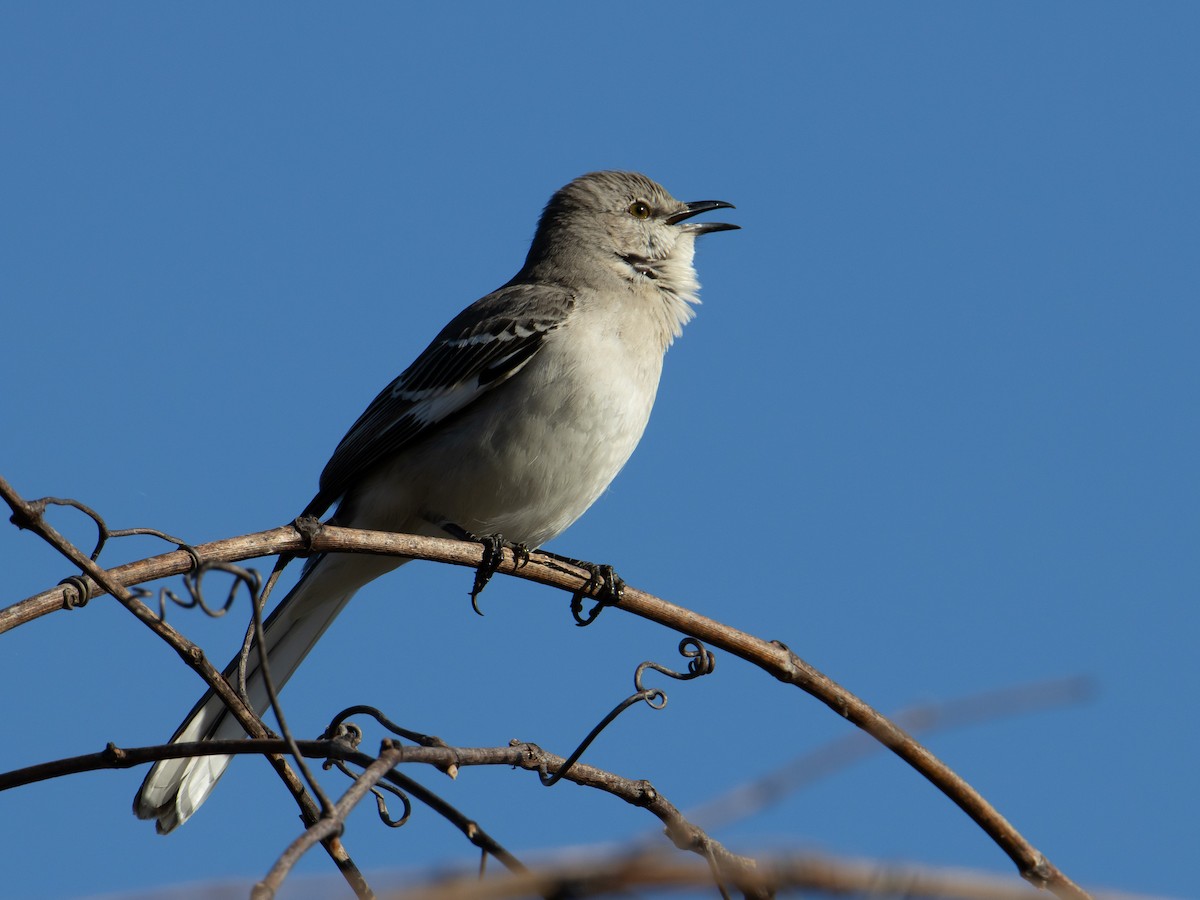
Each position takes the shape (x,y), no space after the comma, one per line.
(511,422)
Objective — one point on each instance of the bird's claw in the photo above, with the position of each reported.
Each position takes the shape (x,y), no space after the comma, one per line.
(604,586)
(494,546)
(309,527)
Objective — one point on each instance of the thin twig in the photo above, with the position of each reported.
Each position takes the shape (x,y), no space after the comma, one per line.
(29,515)
(753,797)
(770,656)
(331,823)
(264,671)
(529,757)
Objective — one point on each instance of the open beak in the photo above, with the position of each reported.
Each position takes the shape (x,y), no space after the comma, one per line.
(702,206)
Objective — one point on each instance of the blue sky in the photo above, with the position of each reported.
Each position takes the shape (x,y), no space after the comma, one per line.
(935,425)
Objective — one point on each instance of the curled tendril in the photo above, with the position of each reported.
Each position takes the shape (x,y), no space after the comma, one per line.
(75,592)
(381,807)
(79,587)
(338,724)
(104,533)
(193,582)
(346,733)
(700,662)
(242,577)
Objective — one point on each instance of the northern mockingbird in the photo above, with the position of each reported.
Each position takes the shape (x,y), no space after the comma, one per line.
(512,422)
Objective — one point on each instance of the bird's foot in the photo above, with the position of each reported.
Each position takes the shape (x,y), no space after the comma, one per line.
(309,527)
(494,546)
(604,586)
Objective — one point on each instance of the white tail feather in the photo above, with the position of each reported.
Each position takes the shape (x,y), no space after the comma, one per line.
(174,788)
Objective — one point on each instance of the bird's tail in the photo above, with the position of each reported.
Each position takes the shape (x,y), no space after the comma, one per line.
(175,788)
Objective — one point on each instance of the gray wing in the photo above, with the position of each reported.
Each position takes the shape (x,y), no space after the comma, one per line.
(481,348)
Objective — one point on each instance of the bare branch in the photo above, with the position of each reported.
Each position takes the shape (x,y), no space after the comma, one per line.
(623,875)
(773,657)
(329,825)
(640,793)
(29,515)
(751,798)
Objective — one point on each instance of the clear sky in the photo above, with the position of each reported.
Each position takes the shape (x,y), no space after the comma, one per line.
(935,425)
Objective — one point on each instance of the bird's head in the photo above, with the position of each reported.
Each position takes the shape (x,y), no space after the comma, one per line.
(623,224)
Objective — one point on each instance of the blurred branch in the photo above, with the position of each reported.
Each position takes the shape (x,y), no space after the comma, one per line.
(753,797)
(596,876)
(773,657)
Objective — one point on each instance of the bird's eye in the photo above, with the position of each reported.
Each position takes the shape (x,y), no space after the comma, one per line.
(639,209)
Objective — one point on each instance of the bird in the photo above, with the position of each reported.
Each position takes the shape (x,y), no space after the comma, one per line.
(512,422)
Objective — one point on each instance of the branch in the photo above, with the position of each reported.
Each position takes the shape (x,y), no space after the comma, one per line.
(754,796)
(685,835)
(773,657)
(29,515)
(627,875)
(329,826)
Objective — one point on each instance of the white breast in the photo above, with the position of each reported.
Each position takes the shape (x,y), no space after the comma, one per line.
(531,456)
